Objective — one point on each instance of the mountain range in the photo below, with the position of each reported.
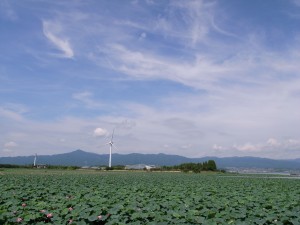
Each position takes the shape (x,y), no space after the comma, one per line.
(83,158)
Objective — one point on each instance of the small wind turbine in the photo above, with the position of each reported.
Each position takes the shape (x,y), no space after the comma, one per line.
(34,161)
(111,145)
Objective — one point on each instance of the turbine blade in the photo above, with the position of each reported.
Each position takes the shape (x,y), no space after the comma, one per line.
(112,135)
(104,144)
(107,138)
(114,146)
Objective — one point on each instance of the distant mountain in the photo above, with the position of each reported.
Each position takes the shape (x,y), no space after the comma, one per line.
(82,158)
(256,162)
(296,160)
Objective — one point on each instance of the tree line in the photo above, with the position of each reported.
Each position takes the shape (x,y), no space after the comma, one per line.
(209,165)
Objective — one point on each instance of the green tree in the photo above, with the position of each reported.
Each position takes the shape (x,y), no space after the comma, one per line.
(211,165)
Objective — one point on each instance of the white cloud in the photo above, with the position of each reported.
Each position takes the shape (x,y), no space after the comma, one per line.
(272,148)
(147,132)
(218,147)
(248,147)
(186,146)
(100,132)
(273,142)
(10,144)
(52,32)
(293,142)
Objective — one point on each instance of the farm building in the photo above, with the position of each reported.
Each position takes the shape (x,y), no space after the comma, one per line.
(139,167)
(41,166)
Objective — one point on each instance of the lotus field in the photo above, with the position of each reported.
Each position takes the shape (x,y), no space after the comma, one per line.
(75,197)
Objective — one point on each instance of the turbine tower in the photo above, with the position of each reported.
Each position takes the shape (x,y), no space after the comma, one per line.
(111,145)
(34,161)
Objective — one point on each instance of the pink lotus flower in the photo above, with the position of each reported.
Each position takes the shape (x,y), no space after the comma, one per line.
(99,217)
(70,221)
(70,209)
(49,215)
(19,220)
(24,204)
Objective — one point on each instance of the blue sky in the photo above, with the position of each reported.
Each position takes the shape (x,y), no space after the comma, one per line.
(194,78)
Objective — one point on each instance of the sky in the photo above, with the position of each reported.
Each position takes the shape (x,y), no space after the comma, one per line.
(192,78)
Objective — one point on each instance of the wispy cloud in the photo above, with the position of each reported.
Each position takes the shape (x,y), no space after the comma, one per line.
(10,114)
(18,108)
(296,2)
(190,74)
(204,71)
(9,148)
(7,10)
(87,99)
(143,65)
(188,21)
(52,32)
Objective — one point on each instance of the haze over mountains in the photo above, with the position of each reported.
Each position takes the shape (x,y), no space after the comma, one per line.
(82,158)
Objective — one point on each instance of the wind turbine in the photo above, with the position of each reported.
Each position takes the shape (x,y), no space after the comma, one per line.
(34,161)
(111,145)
